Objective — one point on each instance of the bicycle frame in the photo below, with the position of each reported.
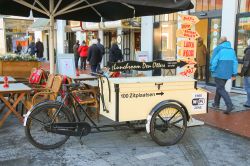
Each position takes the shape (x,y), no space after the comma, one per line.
(72,98)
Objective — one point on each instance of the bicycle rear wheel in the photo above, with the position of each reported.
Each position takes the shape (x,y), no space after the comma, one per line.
(39,120)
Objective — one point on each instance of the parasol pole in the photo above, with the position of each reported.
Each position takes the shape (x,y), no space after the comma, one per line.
(51,37)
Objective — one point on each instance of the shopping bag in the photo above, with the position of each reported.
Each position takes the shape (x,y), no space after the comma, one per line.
(228,85)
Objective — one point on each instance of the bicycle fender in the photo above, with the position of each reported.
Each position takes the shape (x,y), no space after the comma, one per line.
(26,116)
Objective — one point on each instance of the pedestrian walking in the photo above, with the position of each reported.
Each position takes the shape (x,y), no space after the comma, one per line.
(39,50)
(218,48)
(94,56)
(76,53)
(102,49)
(201,56)
(223,67)
(245,72)
(19,48)
(115,53)
(32,48)
(83,51)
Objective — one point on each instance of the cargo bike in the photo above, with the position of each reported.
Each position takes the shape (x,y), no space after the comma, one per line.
(163,104)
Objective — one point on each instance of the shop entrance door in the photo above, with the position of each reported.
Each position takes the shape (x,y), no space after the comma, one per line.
(210,30)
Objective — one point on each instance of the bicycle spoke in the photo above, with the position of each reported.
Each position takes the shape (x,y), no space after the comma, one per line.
(176,121)
(42,123)
(173,116)
(164,121)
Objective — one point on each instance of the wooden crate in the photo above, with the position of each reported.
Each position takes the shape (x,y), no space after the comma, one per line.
(133,98)
(17,69)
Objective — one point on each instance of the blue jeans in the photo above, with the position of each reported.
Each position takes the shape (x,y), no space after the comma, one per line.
(247,88)
(221,92)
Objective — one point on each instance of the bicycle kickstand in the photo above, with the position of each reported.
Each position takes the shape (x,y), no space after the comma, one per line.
(80,139)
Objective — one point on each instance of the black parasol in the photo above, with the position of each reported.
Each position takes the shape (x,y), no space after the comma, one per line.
(93,10)
(89,10)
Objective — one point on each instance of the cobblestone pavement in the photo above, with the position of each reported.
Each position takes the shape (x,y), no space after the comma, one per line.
(200,146)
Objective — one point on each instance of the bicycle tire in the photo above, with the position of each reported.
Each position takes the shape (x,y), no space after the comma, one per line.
(38,111)
(166,128)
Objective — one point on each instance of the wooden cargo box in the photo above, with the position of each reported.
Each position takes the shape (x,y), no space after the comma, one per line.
(133,98)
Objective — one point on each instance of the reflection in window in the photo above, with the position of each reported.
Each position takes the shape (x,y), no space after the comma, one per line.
(167,48)
(219,4)
(206,5)
(212,5)
(243,35)
(244,6)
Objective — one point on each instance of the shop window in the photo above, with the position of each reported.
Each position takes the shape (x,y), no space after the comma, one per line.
(198,6)
(219,4)
(212,4)
(243,35)
(206,5)
(17,32)
(244,6)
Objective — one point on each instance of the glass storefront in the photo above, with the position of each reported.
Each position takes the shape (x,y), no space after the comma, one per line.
(165,39)
(17,33)
(206,5)
(244,6)
(242,34)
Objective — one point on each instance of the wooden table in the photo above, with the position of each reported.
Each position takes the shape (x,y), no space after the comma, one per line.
(82,77)
(18,90)
(10,79)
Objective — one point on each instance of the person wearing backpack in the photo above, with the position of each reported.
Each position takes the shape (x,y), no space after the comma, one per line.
(245,72)
(115,53)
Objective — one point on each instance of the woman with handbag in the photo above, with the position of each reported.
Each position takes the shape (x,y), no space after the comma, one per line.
(245,72)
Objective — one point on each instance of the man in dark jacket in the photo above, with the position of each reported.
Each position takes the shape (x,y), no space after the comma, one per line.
(102,49)
(76,53)
(94,56)
(224,66)
(39,50)
(115,53)
(245,72)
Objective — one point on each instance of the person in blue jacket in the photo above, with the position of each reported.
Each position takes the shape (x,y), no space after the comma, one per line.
(224,66)
(218,48)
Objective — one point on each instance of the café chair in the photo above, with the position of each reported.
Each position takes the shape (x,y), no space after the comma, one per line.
(88,98)
(46,93)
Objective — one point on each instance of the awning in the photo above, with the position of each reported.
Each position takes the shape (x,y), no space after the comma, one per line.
(39,25)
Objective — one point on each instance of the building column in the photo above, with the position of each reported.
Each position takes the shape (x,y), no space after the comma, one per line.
(228,25)
(119,32)
(147,32)
(100,36)
(61,36)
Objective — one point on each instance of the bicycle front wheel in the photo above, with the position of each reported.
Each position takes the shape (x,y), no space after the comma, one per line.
(39,119)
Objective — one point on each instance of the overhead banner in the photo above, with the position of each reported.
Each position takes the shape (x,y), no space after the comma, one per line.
(144,66)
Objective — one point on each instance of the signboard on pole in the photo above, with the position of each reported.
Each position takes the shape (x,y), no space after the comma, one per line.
(187,45)
(189,19)
(186,33)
